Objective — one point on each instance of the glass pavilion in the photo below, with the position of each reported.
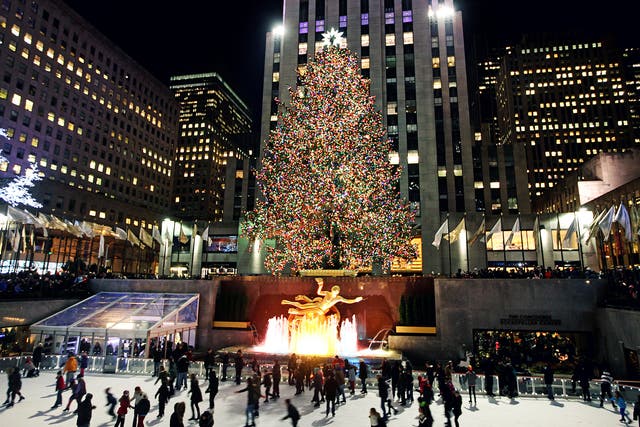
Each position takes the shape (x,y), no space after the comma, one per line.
(120,324)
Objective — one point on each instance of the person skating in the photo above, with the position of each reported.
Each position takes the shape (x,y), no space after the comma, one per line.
(135,399)
(142,408)
(28,368)
(318,384)
(330,394)
(238,363)
(123,408)
(292,413)
(85,410)
(79,389)
(425,418)
(622,407)
(396,367)
(212,389)
(37,357)
(15,386)
(375,419)
(225,365)
(177,415)
(339,371)
(351,375)
(385,402)
(636,410)
(70,368)
(156,353)
(196,398)
(363,373)
(173,374)
(548,381)
(605,387)
(457,407)
(291,368)
(206,419)
(277,376)
(59,389)
(111,402)
(84,362)
(182,366)
(162,395)
(267,382)
(209,362)
(253,396)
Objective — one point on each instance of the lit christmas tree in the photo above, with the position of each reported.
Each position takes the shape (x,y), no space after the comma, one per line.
(17,190)
(330,193)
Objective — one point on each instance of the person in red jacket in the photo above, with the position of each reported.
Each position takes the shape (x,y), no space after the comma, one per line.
(125,404)
(60,386)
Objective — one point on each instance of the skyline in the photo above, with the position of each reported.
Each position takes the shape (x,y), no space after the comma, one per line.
(199,43)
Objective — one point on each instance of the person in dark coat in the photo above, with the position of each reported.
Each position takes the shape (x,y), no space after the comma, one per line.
(196,398)
(209,362)
(213,388)
(267,382)
(37,357)
(548,380)
(206,419)
(178,413)
(85,410)
(253,397)
(385,402)
(15,385)
(330,393)
(182,367)
(156,353)
(457,407)
(111,402)
(363,373)
(163,398)
(142,409)
(292,413)
(277,375)
(238,363)
(425,419)
(395,377)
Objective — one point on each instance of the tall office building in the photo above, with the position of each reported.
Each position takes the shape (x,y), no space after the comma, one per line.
(100,128)
(413,52)
(214,154)
(560,103)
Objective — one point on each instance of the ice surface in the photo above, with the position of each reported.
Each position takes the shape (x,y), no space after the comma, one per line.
(40,396)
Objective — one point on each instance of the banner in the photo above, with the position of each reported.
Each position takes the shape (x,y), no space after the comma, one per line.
(441,231)
(479,232)
(454,235)
(224,244)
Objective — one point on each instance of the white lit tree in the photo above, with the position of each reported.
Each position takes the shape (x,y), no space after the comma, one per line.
(17,191)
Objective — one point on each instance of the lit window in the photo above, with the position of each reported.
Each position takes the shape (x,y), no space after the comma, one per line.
(435,62)
(276,77)
(364,40)
(390,40)
(365,63)
(451,61)
(302,48)
(437,84)
(92,212)
(408,37)
(28,105)
(412,157)
(16,99)
(15,30)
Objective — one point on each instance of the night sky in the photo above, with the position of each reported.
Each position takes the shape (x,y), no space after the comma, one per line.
(227,36)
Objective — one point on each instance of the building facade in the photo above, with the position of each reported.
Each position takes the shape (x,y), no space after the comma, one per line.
(413,52)
(214,153)
(98,126)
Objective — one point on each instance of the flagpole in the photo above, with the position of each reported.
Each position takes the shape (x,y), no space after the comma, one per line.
(580,251)
(449,240)
(504,244)
(559,239)
(484,242)
(466,241)
(521,240)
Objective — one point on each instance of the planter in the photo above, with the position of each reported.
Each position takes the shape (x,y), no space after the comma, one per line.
(230,325)
(420,330)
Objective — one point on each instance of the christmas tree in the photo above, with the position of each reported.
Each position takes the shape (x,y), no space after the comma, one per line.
(330,193)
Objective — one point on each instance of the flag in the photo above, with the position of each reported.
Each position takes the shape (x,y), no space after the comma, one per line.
(146,238)
(15,242)
(205,239)
(441,231)
(635,222)
(183,239)
(479,232)
(155,233)
(497,228)
(23,236)
(132,238)
(606,222)
(536,228)
(622,218)
(593,227)
(101,247)
(120,234)
(32,239)
(454,235)
(515,229)
(573,227)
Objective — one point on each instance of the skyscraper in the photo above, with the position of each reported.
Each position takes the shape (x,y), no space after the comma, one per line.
(413,52)
(214,128)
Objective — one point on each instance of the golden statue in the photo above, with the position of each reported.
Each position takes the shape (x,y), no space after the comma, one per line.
(320,305)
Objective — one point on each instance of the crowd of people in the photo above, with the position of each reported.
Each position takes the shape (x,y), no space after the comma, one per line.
(29,284)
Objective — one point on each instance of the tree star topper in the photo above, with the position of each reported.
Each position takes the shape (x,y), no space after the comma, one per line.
(332,38)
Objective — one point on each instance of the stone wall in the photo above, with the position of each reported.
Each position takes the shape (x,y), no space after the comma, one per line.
(19,313)
(617,329)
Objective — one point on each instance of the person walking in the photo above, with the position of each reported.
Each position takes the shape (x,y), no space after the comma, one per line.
(457,407)
(59,390)
(605,387)
(330,394)
(206,419)
(292,413)
(135,399)
(277,376)
(125,404)
(212,389)
(548,381)
(85,410)
(142,408)
(70,368)
(196,398)
(363,374)
(162,395)
(622,407)
(111,402)
(177,415)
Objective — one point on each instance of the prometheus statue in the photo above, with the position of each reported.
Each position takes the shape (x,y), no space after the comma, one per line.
(320,305)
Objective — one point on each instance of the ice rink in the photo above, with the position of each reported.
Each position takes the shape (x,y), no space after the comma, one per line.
(40,396)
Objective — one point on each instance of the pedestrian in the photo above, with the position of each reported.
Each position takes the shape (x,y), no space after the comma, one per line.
(196,398)
(142,408)
(206,419)
(178,413)
(209,362)
(253,396)
(125,404)
(605,387)
(363,373)
(59,390)
(292,413)
(84,362)
(330,394)
(37,357)
(85,410)
(457,407)
(111,402)
(182,366)
(163,398)
(15,385)
(212,389)
(277,376)
(238,363)
(622,407)
(548,382)
(135,399)
(70,368)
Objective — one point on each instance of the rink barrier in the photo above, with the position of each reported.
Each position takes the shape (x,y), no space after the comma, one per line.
(527,386)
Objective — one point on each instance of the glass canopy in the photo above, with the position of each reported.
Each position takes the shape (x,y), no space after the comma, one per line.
(120,314)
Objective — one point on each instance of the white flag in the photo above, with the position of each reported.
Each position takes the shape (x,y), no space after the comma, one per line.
(155,233)
(606,222)
(515,229)
(205,236)
(573,227)
(622,218)
(497,228)
(441,231)
(101,247)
